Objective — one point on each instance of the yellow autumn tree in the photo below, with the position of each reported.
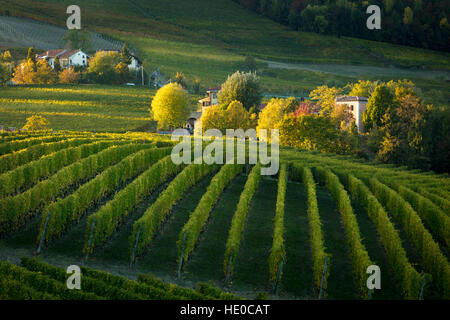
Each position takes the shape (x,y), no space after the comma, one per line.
(44,73)
(213,118)
(171,106)
(325,97)
(236,116)
(36,123)
(25,73)
(69,76)
(272,114)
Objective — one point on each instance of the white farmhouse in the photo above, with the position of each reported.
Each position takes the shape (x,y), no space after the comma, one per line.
(357,106)
(67,57)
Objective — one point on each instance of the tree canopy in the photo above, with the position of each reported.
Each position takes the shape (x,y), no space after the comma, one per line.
(171,106)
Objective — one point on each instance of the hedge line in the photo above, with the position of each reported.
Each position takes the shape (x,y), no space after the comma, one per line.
(277,250)
(432,215)
(407,277)
(111,215)
(11,289)
(317,243)
(238,221)
(152,219)
(170,288)
(28,174)
(15,159)
(44,283)
(358,252)
(70,209)
(14,211)
(433,259)
(200,216)
(11,146)
(88,284)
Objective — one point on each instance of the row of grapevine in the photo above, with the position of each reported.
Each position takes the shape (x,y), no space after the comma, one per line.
(151,221)
(238,221)
(15,159)
(12,289)
(42,283)
(63,213)
(30,173)
(277,250)
(14,211)
(408,278)
(11,146)
(315,226)
(101,283)
(433,260)
(436,219)
(443,203)
(102,224)
(358,252)
(198,218)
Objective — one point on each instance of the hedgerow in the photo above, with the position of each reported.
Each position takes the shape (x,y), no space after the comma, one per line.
(153,218)
(15,210)
(28,174)
(358,252)
(277,250)
(408,278)
(70,209)
(105,221)
(200,215)
(434,261)
(238,221)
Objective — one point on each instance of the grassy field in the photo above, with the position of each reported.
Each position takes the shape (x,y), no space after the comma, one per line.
(82,107)
(209,41)
(251,273)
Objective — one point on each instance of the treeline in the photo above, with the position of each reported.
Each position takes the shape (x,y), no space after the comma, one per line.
(420,23)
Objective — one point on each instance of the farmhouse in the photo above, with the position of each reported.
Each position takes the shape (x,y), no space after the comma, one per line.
(211,99)
(67,57)
(357,106)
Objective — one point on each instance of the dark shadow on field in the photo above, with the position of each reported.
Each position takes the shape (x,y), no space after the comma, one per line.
(252,266)
(341,281)
(206,262)
(162,253)
(297,278)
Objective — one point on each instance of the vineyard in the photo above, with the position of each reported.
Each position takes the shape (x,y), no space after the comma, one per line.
(142,227)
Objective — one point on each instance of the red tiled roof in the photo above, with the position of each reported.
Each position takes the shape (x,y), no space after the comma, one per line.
(216,89)
(68,54)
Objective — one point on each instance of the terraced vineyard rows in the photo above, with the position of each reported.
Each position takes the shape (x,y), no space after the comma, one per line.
(310,232)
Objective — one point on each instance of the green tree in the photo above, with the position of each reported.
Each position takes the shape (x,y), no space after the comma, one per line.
(243,87)
(123,72)
(377,106)
(102,67)
(171,106)
(7,57)
(236,116)
(363,88)
(5,74)
(408,16)
(125,55)
(180,79)
(326,97)
(57,65)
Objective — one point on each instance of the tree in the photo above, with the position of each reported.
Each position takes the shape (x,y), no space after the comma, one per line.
(273,113)
(326,97)
(102,67)
(7,57)
(213,118)
(124,73)
(57,65)
(243,87)
(377,106)
(408,16)
(250,63)
(236,116)
(171,106)
(31,55)
(44,73)
(69,76)
(363,88)
(25,73)
(125,55)
(196,86)
(36,123)
(403,134)
(5,74)
(179,78)
(78,39)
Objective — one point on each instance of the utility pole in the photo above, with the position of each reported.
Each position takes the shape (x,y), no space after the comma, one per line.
(142,69)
